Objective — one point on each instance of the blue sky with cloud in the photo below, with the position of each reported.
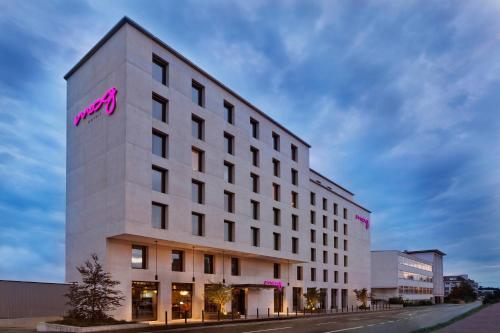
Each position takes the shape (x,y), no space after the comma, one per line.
(399,100)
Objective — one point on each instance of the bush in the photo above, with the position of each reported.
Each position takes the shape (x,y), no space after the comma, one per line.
(492,298)
(396,300)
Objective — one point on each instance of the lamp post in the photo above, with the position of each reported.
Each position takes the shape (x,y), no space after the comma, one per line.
(156,260)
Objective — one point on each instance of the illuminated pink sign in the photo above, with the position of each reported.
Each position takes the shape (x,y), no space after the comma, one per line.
(273,283)
(363,220)
(108,99)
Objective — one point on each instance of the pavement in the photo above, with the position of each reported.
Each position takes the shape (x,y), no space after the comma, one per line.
(484,321)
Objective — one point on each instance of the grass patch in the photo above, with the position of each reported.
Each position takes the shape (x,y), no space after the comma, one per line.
(451,321)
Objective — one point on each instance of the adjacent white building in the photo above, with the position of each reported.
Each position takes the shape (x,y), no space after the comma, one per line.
(411,275)
(452,281)
(177,182)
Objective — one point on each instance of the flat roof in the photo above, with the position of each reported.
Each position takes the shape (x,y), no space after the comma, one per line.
(331,181)
(340,195)
(426,251)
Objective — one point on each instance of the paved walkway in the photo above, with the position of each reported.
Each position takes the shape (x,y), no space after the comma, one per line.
(484,321)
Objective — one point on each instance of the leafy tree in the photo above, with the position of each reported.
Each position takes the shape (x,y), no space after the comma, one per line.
(219,294)
(95,296)
(312,298)
(463,292)
(362,296)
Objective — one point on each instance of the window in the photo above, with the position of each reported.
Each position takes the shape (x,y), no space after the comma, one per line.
(295,245)
(276,216)
(325,204)
(295,199)
(313,199)
(197,191)
(325,275)
(197,127)
(228,112)
(335,209)
(345,244)
(313,254)
(197,159)
(159,70)
(197,93)
(313,274)
(159,215)
(299,273)
(325,239)
(335,242)
(295,222)
(325,221)
(228,143)
(254,124)
(313,236)
(159,108)
(276,142)
(313,217)
(345,213)
(335,259)
(325,257)
(255,236)
(177,261)
(255,206)
(295,177)
(208,263)
(277,271)
(197,224)
(276,192)
(345,261)
(335,225)
(159,144)
(294,152)
(276,167)
(229,231)
(229,202)
(139,256)
(345,229)
(277,241)
(254,182)
(159,179)
(255,156)
(235,267)
(346,280)
(336,276)
(229,172)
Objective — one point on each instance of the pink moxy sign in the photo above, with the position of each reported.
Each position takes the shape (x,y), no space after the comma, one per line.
(108,100)
(364,220)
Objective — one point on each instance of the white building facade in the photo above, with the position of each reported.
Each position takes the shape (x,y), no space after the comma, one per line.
(176,182)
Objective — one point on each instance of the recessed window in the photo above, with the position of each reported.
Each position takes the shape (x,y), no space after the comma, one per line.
(159,215)
(295,199)
(295,245)
(345,229)
(325,204)
(208,263)
(235,266)
(229,231)
(159,70)
(197,127)
(229,202)
(159,144)
(276,142)
(299,273)
(335,209)
(254,182)
(255,206)
(335,225)
(325,257)
(313,274)
(159,179)
(160,108)
(325,275)
(254,125)
(197,93)
(276,241)
(335,242)
(277,271)
(336,276)
(197,224)
(345,244)
(345,261)
(229,172)
(255,156)
(313,199)
(276,167)
(255,236)
(313,254)
(139,256)
(294,152)
(295,222)
(325,239)
(325,221)
(313,217)
(346,280)
(228,143)
(335,259)
(345,213)
(228,112)
(197,159)
(276,192)
(313,236)
(276,216)
(295,177)
(197,191)
(177,261)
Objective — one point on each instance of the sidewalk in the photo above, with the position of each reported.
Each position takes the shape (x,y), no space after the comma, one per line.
(484,321)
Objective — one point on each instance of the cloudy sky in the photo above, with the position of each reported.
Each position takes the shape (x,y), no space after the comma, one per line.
(400,101)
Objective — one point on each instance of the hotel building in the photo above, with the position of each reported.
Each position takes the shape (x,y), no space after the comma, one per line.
(411,275)
(176,182)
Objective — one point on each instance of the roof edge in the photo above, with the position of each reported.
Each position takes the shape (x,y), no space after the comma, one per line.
(342,196)
(331,181)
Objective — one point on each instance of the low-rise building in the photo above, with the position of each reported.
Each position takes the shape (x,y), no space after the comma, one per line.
(452,281)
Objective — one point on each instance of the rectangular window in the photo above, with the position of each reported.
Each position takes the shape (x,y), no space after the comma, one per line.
(335,225)
(336,276)
(295,199)
(325,275)
(313,199)
(228,112)
(197,93)
(335,242)
(313,236)
(276,192)
(277,241)
(295,222)
(345,244)
(255,156)
(197,159)
(255,236)
(197,191)
(228,143)
(313,274)
(139,256)
(294,152)
(177,261)
(295,177)
(295,245)
(313,254)
(255,206)
(235,266)
(276,216)
(345,213)
(325,257)
(254,124)
(345,229)
(159,144)
(197,127)
(208,263)
(197,224)
(277,271)
(313,217)
(159,215)
(325,204)
(335,259)
(325,239)
(276,167)
(276,142)
(160,111)
(159,179)
(335,209)
(325,221)
(345,261)
(159,70)
(228,172)
(254,182)
(229,202)
(229,231)
(346,280)
(299,273)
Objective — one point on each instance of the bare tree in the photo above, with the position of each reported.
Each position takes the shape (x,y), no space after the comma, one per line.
(219,294)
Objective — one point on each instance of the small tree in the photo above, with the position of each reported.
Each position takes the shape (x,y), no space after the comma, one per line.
(219,294)
(362,296)
(91,299)
(463,292)
(312,297)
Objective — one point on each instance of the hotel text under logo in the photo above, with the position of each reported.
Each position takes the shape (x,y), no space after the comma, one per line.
(364,220)
(108,99)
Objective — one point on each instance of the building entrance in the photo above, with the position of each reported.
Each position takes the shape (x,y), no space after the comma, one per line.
(182,298)
(144,300)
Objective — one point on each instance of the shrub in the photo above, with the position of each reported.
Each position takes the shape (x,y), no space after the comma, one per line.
(492,298)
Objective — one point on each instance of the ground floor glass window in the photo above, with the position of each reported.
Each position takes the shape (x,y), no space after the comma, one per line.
(144,300)
(182,298)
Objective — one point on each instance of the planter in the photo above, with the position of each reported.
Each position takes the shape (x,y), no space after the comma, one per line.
(48,327)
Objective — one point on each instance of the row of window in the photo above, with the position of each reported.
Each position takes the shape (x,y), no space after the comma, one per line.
(415,290)
(414,276)
(414,263)
(312,274)
(325,206)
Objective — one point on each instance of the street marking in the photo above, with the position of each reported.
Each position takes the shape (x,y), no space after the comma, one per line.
(326,323)
(269,329)
(346,329)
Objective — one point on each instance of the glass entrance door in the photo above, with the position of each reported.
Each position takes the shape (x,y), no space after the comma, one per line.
(238,301)
(182,298)
(278,299)
(144,300)
(297,298)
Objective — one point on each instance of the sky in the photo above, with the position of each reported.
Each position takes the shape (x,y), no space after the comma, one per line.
(400,101)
